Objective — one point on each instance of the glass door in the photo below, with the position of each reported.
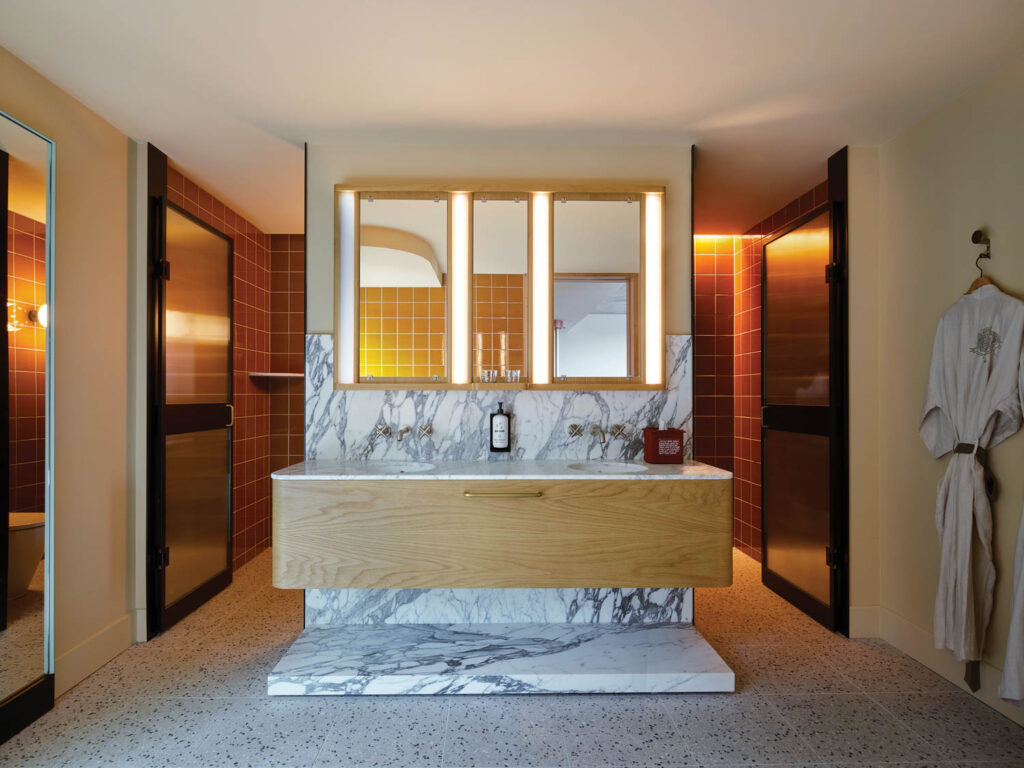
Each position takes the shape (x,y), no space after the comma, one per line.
(191,490)
(803,415)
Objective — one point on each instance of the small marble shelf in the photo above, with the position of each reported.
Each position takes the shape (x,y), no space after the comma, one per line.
(353,660)
(274,375)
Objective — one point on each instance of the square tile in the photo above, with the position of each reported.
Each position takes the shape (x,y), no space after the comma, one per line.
(850,727)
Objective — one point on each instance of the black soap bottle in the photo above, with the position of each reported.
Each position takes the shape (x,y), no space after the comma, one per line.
(501,437)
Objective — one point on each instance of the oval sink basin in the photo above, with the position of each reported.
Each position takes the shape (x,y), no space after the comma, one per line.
(609,467)
(395,467)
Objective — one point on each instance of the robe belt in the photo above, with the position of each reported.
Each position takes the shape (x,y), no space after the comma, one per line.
(972,669)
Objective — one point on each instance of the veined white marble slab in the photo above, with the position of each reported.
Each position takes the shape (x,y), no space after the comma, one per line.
(499,658)
(559,469)
(340,424)
(585,605)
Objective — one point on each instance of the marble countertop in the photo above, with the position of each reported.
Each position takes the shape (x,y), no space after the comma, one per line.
(551,469)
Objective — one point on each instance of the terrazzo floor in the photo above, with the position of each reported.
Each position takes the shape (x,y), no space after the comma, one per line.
(21,644)
(196,697)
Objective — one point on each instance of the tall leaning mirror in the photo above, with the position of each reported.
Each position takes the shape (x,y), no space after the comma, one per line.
(403,287)
(26,646)
(596,287)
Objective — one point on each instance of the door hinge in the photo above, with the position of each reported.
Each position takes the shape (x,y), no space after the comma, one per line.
(163,557)
(833,273)
(163,270)
(833,558)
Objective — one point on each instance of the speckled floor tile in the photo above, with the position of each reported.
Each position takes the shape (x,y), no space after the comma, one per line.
(623,731)
(957,725)
(277,732)
(778,668)
(875,666)
(850,727)
(506,731)
(384,731)
(736,728)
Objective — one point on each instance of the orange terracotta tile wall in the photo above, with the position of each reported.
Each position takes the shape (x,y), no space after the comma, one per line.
(499,324)
(713,349)
(727,358)
(251,442)
(402,332)
(747,364)
(287,349)
(26,373)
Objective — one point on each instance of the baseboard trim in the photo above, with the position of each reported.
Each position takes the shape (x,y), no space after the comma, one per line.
(917,643)
(864,621)
(76,664)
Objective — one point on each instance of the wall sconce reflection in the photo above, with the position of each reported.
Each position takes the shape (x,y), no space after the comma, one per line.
(18,317)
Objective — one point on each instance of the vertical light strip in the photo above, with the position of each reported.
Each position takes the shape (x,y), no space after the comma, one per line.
(459,286)
(347,306)
(654,335)
(541,288)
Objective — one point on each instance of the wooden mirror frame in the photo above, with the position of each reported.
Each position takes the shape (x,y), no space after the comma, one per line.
(648,373)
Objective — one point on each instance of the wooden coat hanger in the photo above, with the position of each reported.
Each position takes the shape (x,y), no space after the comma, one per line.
(980,238)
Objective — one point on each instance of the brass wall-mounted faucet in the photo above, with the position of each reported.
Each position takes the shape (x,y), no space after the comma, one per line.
(403,430)
(597,430)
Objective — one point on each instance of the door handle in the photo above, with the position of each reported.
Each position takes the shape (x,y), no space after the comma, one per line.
(231,414)
(508,495)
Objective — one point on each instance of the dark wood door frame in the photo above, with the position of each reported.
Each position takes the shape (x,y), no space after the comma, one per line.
(159,617)
(831,420)
(5,437)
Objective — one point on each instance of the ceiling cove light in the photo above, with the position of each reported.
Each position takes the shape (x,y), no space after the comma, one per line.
(345,338)
(654,335)
(540,269)
(461,267)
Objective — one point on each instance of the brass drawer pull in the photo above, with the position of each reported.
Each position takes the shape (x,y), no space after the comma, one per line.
(510,495)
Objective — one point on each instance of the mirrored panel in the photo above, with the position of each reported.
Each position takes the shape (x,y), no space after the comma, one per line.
(597,257)
(500,284)
(403,279)
(25,205)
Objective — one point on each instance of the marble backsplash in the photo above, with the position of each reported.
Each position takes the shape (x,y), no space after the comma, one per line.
(340,423)
(497,606)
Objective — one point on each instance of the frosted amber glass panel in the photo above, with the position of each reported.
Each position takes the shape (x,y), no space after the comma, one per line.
(796,509)
(197,509)
(796,339)
(198,313)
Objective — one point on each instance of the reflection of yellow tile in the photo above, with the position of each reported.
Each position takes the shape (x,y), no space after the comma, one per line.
(483,324)
(369,294)
(405,294)
(388,294)
(420,325)
(482,293)
(437,325)
(388,370)
(437,309)
(499,281)
(388,309)
(404,325)
(372,325)
(482,279)
(389,325)
(404,371)
(371,356)
(404,341)
(437,357)
(421,371)
(389,341)
(404,309)
(515,295)
(420,341)
(515,325)
(420,357)
(388,357)
(421,295)
(405,357)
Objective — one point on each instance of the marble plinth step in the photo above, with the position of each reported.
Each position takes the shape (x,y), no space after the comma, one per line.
(370,659)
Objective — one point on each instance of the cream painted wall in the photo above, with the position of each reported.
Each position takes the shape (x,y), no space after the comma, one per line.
(89,335)
(959,169)
(328,165)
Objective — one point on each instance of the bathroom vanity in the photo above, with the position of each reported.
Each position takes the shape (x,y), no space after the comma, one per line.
(500,576)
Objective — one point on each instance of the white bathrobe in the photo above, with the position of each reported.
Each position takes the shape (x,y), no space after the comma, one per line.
(1012,685)
(973,398)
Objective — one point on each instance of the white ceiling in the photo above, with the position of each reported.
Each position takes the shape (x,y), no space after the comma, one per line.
(231,89)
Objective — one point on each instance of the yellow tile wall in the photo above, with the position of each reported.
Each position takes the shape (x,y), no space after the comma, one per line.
(402,332)
(499,307)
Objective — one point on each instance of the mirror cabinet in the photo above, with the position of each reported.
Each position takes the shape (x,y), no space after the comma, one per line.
(495,286)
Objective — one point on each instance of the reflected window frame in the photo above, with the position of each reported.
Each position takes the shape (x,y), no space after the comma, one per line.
(368,196)
(635,282)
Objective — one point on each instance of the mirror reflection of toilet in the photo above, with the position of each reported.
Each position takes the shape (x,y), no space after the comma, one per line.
(25,550)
